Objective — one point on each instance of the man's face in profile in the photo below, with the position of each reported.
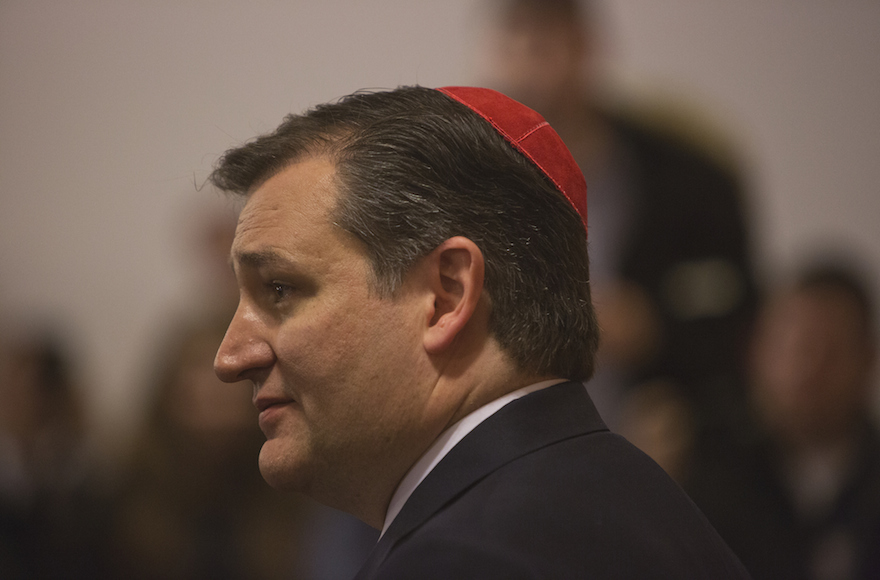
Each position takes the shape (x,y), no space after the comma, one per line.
(339,372)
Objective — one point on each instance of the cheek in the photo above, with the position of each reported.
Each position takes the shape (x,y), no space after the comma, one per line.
(316,347)
(333,365)
(352,360)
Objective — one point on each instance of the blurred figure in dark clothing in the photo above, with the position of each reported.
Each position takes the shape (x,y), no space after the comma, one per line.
(801,499)
(671,273)
(51,511)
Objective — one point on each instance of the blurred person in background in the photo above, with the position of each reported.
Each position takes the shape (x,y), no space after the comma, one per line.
(192,504)
(801,499)
(659,420)
(51,505)
(329,544)
(669,252)
(209,230)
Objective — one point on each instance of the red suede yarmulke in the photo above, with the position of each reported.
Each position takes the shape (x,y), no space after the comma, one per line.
(527,130)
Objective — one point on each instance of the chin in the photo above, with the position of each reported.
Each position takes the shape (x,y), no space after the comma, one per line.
(279,467)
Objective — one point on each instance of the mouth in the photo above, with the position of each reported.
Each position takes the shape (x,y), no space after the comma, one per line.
(270,409)
(263,403)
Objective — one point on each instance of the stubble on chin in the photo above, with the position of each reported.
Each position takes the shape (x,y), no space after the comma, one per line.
(282,466)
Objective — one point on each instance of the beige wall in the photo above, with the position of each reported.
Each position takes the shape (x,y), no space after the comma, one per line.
(111,111)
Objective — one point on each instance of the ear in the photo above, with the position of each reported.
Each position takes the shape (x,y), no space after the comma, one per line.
(455,271)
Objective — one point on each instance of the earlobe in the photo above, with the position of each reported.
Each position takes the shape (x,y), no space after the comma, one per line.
(456,271)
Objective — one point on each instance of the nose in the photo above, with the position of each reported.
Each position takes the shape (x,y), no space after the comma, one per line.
(245,352)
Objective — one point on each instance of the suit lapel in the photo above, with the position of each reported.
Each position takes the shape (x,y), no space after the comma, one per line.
(525,425)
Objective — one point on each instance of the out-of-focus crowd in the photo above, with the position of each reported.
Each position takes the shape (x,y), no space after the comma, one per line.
(755,395)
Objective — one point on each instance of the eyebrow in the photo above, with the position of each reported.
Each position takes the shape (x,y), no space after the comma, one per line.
(260,258)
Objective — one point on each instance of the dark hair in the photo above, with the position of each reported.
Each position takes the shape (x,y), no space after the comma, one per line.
(415,168)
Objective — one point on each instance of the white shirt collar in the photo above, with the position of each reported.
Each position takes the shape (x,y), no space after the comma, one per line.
(446,441)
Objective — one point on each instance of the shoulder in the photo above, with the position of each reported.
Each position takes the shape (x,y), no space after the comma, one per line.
(677,132)
(673,164)
(591,506)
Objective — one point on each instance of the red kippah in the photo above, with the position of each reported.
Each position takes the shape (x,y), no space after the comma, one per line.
(532,136)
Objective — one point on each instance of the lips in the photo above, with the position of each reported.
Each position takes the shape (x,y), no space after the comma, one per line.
(263,403)
(270,409)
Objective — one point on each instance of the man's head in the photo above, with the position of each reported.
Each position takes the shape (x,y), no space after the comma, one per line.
(415,168)
(388,243)
(813,357)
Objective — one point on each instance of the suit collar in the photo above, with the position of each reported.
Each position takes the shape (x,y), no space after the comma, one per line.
(525,425)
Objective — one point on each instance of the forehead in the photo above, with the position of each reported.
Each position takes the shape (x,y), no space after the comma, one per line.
(294,204)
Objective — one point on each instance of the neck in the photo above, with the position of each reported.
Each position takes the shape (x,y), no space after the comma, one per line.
(482,375)
(464,384)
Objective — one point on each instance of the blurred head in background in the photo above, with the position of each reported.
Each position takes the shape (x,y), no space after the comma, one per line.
(52,509)
(42,423)
(541,53)
(814,356)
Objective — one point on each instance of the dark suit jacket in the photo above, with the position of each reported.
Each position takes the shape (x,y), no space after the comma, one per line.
(689,235)
(542,489)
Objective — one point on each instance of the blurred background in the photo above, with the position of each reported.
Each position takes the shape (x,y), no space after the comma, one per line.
(112,248)
(111,115)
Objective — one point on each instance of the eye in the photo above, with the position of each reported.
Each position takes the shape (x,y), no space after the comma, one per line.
(280,290)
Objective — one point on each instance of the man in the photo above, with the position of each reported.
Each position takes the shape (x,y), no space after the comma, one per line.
(415,303)
(801,497)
